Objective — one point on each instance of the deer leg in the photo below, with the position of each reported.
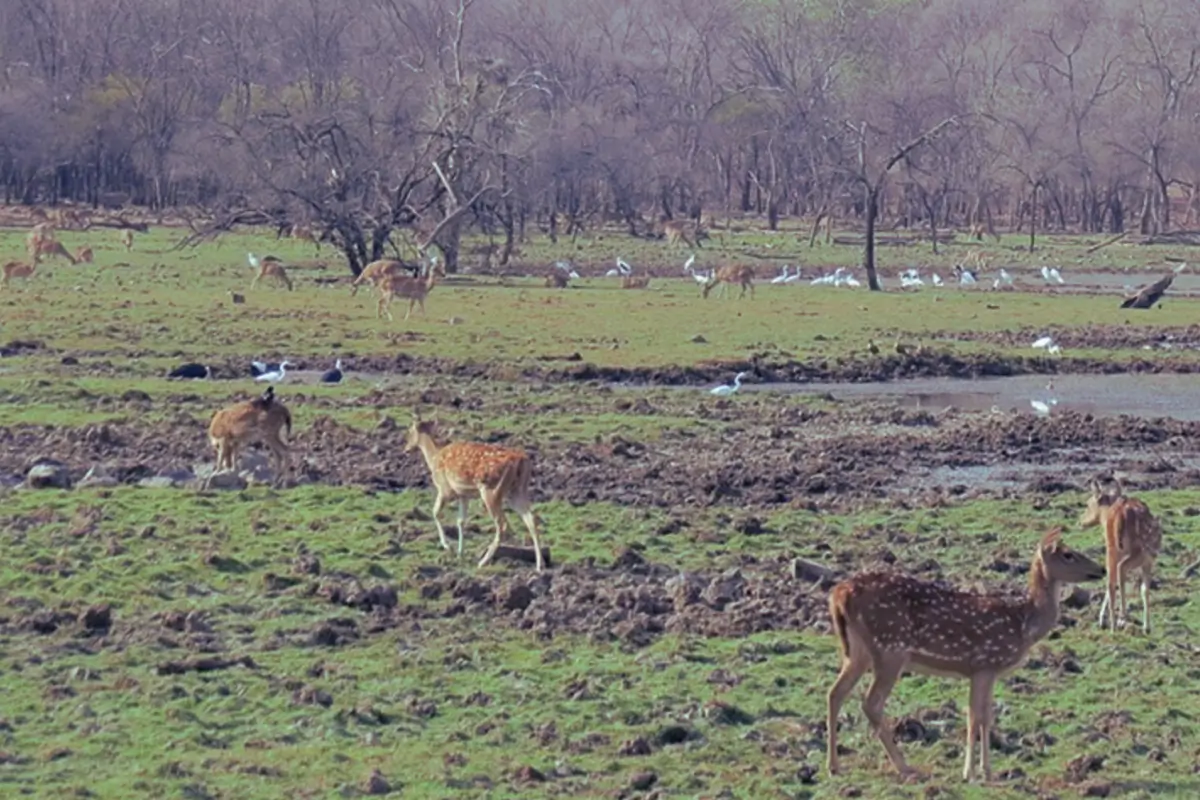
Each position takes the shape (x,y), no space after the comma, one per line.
(525,510)
(980,724)
(1110,592)
(1146,599)
(254,283)
(437,519)
(495,507)
(855,664)
(1122,579)
(887,672)
(462,519)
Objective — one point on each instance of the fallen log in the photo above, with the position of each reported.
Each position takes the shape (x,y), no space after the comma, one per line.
(204,665)
(1147,296)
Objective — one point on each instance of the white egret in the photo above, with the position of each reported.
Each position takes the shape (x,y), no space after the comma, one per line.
(726,390)
(277,375)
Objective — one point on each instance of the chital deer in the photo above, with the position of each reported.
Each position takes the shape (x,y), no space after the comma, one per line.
(376,271)
(305,234)
(259,419)
(676,230)
(127,239)
(15,269)
(499,474)
(38,234)
(50,247)
(887,623)
(415,290)
(271,267)
(1132,540)
(84,255)
(743,276)
(635,282)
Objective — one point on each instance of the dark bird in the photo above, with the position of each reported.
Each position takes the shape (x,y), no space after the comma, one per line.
(334,375)
(1147,296)
(190,371)
(266,398)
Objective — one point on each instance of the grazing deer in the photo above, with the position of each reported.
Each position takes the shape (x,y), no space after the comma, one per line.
(500,474)
(16,269)
(50,247)
(744,276)
(305,233)
(632,282)
(127,239)
(887,623)
(38,234)
(676,230)
(1132,540)
(415,290)
(271,267)
(376,271)
(259,419)
(84,255)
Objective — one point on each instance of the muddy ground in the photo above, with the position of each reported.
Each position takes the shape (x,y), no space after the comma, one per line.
(830,457)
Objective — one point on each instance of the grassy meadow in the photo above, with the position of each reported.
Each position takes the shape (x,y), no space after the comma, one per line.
(457,685)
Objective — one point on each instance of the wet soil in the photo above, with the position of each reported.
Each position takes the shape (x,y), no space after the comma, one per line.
(842,456)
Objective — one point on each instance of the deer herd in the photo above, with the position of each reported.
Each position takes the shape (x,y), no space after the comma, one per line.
(885,623)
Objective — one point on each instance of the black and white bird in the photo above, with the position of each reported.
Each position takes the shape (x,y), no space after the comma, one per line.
(194,371)
(333,375)
(275,376)
(263,367)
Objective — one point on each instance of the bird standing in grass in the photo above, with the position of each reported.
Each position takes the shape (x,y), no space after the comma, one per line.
(726,390)
(334,375)
(275,376)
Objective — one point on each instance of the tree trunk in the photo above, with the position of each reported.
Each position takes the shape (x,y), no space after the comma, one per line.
(872,209)
(1033,218)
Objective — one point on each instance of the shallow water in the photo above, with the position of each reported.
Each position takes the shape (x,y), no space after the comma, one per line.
(1143,395)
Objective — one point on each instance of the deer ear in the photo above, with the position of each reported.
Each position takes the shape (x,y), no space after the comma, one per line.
(1052,539)
(1095,487)
(1119,487)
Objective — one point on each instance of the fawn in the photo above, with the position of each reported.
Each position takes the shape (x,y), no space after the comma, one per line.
(1132,540)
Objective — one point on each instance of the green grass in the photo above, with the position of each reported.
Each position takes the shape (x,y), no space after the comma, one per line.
(80,713)
(169,306)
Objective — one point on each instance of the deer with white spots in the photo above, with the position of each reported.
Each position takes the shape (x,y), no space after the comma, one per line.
(499,474)
(1132,539)
(887,623)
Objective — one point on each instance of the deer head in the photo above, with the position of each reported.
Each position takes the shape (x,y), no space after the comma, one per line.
(1097,502)
(1064,565)
(418,428)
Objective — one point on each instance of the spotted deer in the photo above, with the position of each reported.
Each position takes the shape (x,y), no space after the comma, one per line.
(15,269)
(376,271)
(259,419)
(50,247)
(741,275)
(675,231)
(272,267)
(887,623)
(84,255)
(305,234)
(415,290)
(38,234)
(1132,540)
(501,475)
(127,239)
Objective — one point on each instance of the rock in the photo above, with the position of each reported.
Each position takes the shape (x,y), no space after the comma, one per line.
(726,588)
(515,597)
(157,482)
(1078,598)
(805,570)
(376,784)
(634,747)
(698,339)
(97,618)
(48,474)
(642,781)
(228,481)
(255,468)
(528,774)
